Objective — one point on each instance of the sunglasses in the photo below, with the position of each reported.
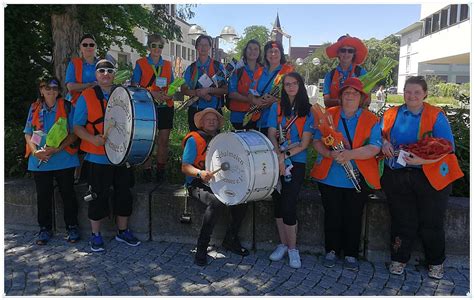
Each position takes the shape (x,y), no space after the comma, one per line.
(106,70)
(49,88)
(156,45)
(346,50)
(85,45)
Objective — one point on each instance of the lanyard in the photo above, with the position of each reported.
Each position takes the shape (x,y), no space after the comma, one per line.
(157,73)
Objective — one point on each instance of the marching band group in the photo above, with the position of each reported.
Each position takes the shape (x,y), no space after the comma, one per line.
(417,189)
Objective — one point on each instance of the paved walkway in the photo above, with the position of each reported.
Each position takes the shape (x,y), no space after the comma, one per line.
(161,268)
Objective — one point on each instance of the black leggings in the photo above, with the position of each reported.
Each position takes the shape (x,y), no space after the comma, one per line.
(285,203)
(214,208)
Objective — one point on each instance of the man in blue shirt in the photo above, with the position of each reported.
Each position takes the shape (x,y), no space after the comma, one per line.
(103,175)
(210,96)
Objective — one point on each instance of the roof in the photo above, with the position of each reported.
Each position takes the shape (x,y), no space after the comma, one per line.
(412,27)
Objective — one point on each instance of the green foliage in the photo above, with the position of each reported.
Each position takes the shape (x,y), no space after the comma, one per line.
(459,119)
(15,163)
(259,33)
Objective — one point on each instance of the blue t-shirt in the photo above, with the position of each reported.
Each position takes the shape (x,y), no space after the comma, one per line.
(60,160)
(294,135)
(189,155)
(201,69)
(237,116)
(405,131)
(262,83)
(80,119)
(345,74)
(336,175)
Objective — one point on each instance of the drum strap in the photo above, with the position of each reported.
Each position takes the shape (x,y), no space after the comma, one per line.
(206,137)
(100,96)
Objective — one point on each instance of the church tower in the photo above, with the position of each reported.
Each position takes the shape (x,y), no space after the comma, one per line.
(276,31)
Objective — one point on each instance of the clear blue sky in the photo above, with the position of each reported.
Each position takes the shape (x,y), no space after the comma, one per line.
(309,23)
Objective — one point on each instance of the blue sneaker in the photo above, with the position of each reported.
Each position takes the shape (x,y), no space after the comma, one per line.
(43,236)
(128,238)
(96,243)
(73,234)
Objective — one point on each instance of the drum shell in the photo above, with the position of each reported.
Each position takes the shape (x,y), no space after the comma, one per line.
(142,122)
(252,161)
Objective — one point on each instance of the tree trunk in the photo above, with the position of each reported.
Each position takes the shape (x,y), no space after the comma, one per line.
(66,34)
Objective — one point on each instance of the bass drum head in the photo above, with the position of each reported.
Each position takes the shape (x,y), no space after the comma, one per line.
(251,166)
(118,116)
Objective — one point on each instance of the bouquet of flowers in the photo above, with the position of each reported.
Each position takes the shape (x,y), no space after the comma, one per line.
(334,140)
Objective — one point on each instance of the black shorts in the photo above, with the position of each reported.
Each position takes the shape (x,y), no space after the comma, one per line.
(165,117)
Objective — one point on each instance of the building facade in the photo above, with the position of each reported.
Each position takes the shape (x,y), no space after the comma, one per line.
(181,53)
(439,44)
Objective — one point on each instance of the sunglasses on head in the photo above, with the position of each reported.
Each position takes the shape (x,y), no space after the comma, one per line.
(157,45)
(85,45)
(348,50)
(106,70)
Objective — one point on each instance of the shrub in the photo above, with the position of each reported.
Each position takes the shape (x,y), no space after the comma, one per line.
(15,163)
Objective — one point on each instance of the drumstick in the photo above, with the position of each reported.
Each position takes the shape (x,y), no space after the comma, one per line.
(224,167)
(107,131)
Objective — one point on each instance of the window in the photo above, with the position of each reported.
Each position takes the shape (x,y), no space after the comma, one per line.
(444,19)
(409,45)
(184,52)
(427,26)
(408,64)
(453,14)
(122,59)
(464,12)
(435,23)
(178,50)
(172,49)
(462,79)
(189,54)
(192,55)
(193,42)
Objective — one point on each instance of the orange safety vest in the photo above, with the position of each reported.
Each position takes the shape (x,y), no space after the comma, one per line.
(95,120)
(334,89)
(201,145)
(243,86)
(368,167)
(285,69)
(60,113)
(147,74)
(77,62)
(440,173)
(299,123)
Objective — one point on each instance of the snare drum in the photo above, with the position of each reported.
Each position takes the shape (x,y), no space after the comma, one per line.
(131,117)
(253,166)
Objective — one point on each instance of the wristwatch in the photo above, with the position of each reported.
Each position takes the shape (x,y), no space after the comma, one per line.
(198,175)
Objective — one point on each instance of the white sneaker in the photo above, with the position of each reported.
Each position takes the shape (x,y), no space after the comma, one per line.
(279,252)
(294,258)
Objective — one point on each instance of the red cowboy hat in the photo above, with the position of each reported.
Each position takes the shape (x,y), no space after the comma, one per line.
(356,84)
(349,41)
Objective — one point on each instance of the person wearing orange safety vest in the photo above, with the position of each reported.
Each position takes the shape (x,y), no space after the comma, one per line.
(208,122)
(343,205)
(293,115)
(238,98)
(208,96)
(89,126)
(418,189)
(156,74)
(265,79)
(351,53)
(80,72)
(47,163)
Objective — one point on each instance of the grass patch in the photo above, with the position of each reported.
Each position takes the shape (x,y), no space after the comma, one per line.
(398,99)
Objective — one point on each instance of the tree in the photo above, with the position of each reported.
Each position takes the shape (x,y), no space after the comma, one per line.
(388,47)
(259,33)
(41,39)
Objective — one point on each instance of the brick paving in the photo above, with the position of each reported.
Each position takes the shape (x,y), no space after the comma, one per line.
(163,268)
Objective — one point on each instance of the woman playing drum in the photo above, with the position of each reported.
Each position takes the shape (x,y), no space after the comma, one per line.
(293,117)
